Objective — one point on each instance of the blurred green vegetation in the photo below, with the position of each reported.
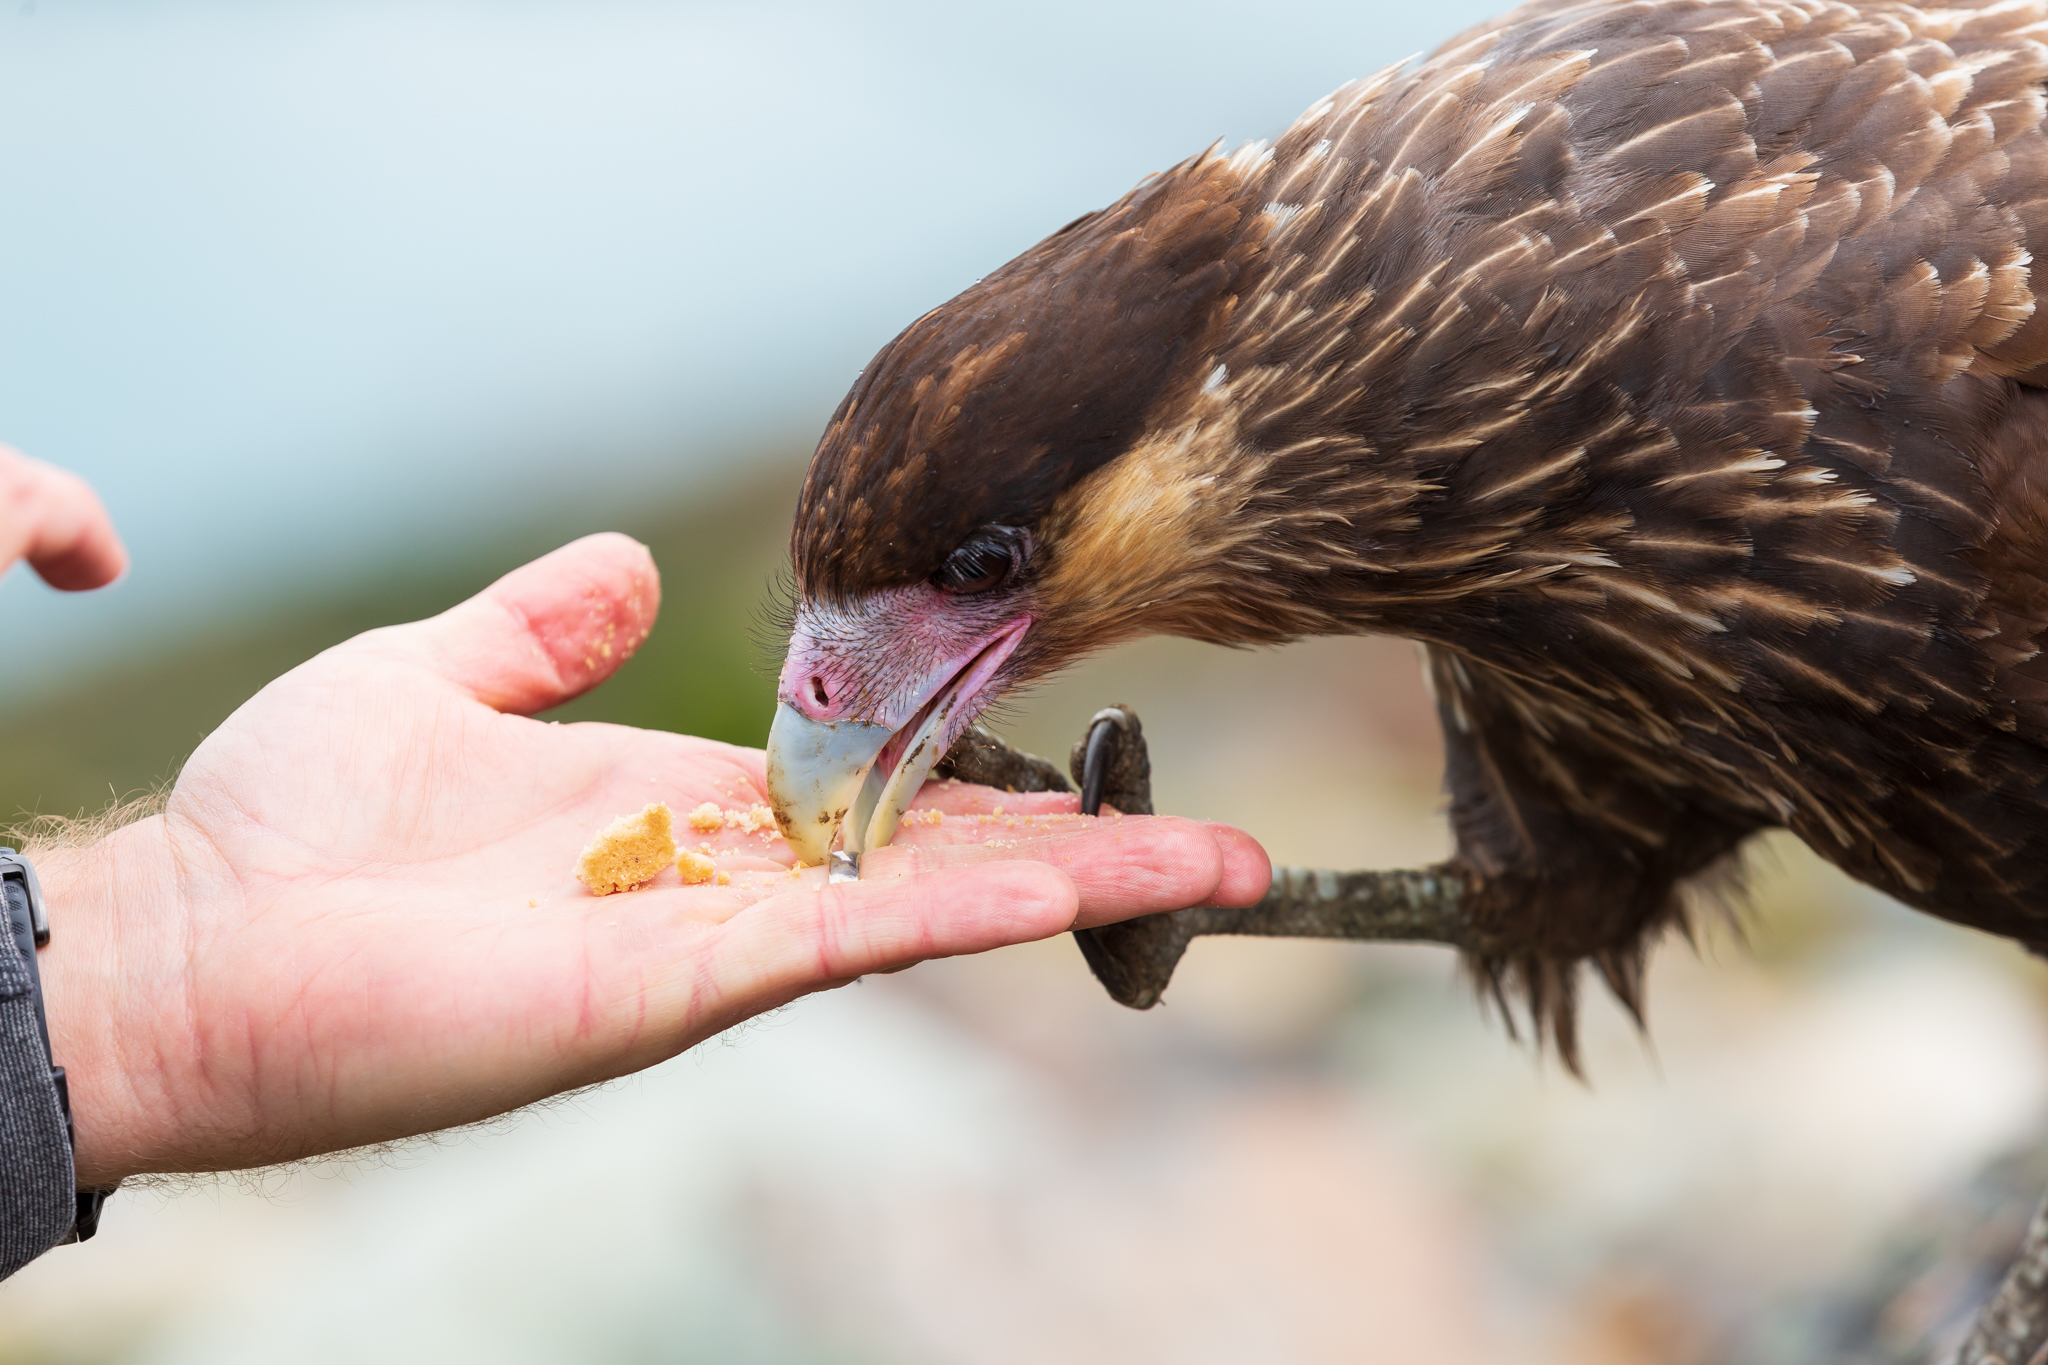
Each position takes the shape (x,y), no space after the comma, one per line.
(128,727)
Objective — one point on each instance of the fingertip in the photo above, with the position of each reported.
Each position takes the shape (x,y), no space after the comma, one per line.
(97,561)
(67,536)
(548,631)
(1247,870)
(590,606)
(628,561)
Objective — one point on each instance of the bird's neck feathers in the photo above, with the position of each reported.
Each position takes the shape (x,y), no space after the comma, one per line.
(1196,531)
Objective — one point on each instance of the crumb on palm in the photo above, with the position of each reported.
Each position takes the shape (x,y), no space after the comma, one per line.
(696,869)
(753,818)
(629,851)
(707,818)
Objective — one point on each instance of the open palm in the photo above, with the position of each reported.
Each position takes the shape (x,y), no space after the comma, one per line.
(356,918)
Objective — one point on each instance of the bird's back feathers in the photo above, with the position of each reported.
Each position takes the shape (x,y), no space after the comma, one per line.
(1681,358)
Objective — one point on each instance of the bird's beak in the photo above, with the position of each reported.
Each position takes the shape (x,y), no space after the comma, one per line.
(824,777)
(818,772)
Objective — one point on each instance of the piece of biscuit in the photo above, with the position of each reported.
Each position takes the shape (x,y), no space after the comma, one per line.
(628,851)
(707,818)
(695,867)
(753,819)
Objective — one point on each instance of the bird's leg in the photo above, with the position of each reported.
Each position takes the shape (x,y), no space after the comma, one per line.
(1135,959)
(2013,1328)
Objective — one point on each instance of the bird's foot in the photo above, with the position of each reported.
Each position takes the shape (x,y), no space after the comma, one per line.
(1135,960)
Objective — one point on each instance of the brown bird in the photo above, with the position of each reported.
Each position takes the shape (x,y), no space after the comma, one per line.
(1671,371)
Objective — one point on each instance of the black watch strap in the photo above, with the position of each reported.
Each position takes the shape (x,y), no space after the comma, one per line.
(29,922)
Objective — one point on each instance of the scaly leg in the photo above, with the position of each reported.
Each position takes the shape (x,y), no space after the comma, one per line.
(1135,959)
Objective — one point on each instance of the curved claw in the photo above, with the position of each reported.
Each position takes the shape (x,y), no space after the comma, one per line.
(1102,732)
(1112,765)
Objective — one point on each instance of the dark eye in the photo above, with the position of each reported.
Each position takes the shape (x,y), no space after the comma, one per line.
(991,558)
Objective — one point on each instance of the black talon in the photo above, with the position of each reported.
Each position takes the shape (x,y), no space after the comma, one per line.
(1103,731)
(1111,764)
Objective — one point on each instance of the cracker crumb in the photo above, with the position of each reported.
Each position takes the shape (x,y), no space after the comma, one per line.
(696,868)
(532,904)
(754,817)
(629,851)
(723,880)
(707,818)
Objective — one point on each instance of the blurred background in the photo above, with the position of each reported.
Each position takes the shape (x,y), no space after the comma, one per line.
(348,309)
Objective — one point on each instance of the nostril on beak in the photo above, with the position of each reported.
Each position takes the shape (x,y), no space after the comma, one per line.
(818,693)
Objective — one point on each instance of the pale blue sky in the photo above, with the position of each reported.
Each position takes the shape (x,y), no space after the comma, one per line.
(298,284)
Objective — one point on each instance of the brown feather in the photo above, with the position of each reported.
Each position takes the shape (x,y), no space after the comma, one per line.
(1671,370)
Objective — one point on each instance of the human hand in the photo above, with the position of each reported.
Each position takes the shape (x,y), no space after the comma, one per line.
(356,921)
(53,519)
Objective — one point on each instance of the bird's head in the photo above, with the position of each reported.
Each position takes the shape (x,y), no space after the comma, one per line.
(982,509)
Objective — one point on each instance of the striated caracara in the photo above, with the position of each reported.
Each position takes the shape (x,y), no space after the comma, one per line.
(1670,370)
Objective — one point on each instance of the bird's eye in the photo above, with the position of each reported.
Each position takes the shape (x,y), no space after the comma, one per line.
(991,558)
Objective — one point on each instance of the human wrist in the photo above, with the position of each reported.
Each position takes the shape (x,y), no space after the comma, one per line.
(102,988)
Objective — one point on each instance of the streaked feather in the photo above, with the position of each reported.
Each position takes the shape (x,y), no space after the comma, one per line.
(1670,370)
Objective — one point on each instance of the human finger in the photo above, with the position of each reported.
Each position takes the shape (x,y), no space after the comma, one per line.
(546,632)
(820,935)
(1120,867)
(919,902)
(1123,866)
(968,798)
(1247,871)
(54,520)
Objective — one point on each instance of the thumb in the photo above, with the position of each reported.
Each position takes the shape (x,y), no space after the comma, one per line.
(546,632)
